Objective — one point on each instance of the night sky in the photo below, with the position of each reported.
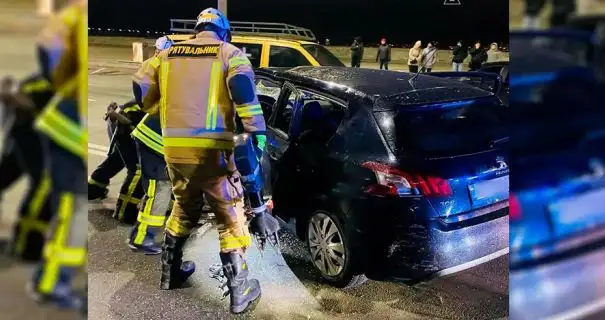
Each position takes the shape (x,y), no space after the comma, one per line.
(400,21)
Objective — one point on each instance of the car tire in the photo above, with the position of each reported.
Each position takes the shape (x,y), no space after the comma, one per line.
(330,242)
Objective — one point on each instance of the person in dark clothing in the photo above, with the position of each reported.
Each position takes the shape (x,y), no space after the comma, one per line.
(562,9)
(478,57)
(122,154)
(23,154)
(356,52)
(384,54)
(459,53)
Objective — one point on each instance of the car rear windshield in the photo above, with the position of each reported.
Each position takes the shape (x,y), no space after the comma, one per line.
(323,55)
(447,129)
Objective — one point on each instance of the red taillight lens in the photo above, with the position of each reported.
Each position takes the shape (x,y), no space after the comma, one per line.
(514,210)
(394,182)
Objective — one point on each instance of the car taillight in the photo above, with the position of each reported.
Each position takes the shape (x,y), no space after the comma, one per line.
(394,182)
(514,210)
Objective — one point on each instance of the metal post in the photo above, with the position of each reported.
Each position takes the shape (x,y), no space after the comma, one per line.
(45,7)
(222,6)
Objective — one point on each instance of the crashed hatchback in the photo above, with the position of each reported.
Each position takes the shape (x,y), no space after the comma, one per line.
(386,175)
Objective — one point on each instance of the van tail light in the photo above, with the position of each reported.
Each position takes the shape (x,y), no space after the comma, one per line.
(394,182)
(514,210)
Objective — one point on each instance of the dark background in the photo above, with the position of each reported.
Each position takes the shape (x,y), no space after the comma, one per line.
(400,21)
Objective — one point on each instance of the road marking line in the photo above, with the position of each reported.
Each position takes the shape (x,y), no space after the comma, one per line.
(97,153)
(97,71)
(97,147)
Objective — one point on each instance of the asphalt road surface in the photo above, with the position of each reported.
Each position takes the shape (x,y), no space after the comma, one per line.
(123,285)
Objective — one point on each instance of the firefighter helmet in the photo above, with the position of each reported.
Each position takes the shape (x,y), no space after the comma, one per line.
(214,17)
(163,43)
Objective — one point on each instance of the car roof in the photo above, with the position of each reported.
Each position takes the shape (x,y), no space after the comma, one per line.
(346,82)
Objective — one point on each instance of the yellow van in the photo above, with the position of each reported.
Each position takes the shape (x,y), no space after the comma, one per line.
(269,44)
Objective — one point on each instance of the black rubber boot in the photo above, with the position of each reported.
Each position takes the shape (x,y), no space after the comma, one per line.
(243,292)
(175,271)
(96,193)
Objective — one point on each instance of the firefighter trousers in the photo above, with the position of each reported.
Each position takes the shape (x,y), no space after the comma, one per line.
(131,190)
(35,211)
(218,180)
(65,249)
(158,195)
(110,166)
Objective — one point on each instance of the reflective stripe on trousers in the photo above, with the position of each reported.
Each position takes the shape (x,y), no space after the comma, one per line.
(67,245)
(30,221)
(157,203)
(127,192)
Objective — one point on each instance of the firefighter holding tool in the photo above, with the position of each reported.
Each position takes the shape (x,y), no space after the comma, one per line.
(200,86)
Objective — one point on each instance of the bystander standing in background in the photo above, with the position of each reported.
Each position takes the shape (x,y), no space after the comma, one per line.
(478,57)
(459,53)
(429,58)
(414,57)
(356,52)
(494,54)
(384,54)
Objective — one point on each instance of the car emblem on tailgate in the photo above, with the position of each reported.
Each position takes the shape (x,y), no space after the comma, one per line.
(501,163)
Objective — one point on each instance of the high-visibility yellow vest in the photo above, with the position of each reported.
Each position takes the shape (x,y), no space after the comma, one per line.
(149,132)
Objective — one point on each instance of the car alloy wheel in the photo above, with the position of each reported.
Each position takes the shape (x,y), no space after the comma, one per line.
(326,245)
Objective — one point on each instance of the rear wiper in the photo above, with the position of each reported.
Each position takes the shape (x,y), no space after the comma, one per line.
(495,142)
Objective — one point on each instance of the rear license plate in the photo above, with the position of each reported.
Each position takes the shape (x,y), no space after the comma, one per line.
(494,189)
(578,213)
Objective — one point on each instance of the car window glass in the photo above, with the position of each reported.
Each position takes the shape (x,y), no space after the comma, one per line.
(252,51)
(321,116)
(284,115)
(286,57)
(267,92)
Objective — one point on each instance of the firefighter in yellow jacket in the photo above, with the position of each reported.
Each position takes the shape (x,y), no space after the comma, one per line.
(158,189)
(63,57)
(200,85)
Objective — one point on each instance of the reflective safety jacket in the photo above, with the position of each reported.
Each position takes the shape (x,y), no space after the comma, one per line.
(149,132)
(191,81)
(40,91)
(63,58)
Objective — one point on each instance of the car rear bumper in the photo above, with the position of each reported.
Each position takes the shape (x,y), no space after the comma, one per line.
(573,288)
(412,250)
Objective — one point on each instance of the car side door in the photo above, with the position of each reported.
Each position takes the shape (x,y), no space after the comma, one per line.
(279,128)
(252,50)
(284,56)
(277,162)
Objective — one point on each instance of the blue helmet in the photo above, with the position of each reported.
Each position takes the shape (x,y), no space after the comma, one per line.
(213,17)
